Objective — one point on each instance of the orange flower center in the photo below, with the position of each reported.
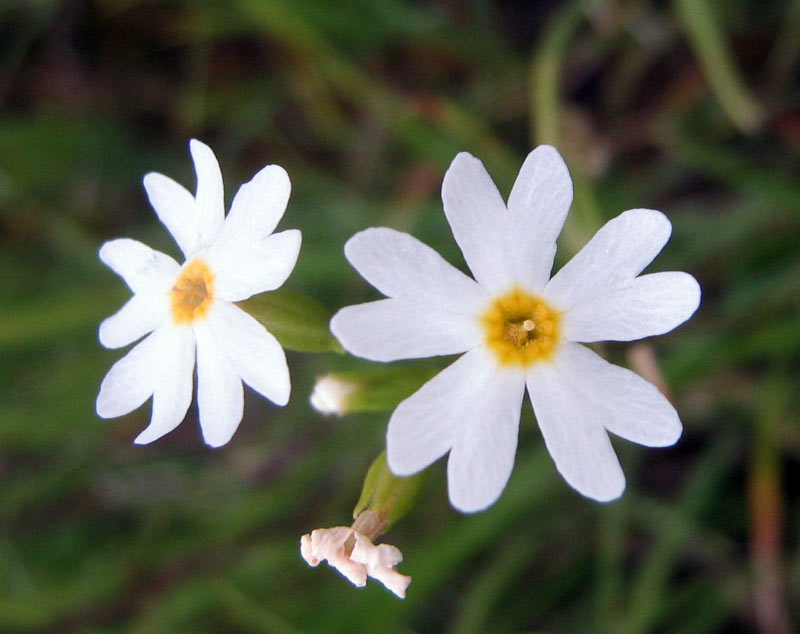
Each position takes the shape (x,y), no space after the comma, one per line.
(521,329)
(193,293)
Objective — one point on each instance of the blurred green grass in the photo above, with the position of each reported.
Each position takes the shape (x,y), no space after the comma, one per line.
(689,107)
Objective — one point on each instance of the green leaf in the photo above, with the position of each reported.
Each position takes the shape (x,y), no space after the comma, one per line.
(387,495)
(380,388)
(298,321)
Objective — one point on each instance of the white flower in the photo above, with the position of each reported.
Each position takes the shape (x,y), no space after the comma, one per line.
(517,329)
(330,394)
(190,307)
(355,556)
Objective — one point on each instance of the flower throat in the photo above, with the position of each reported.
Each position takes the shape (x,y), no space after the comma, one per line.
(192,293)
(521,329)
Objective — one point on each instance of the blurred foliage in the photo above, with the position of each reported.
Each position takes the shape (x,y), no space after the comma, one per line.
(687,107)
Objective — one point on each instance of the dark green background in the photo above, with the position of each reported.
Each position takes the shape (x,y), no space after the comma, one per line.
(690,107)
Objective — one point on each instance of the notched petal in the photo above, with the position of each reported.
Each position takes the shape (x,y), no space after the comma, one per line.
(210,197)
(647,305)
(144,270)
(177,209)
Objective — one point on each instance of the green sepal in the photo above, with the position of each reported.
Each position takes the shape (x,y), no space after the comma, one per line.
(298,321)
(387,495)
(381,389)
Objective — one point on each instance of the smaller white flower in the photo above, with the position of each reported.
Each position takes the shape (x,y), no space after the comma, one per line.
(355,556)
(330,394)
(189,309)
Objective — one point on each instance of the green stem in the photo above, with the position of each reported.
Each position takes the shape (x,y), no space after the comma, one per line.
(544,114)
(707,40)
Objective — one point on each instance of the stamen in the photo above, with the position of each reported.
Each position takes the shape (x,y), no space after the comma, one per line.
(528,325)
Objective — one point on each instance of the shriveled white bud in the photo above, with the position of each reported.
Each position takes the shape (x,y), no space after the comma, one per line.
(355,556)
(380,562)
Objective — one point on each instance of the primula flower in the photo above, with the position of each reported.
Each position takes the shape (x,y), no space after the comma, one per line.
(189,307)
(518,329)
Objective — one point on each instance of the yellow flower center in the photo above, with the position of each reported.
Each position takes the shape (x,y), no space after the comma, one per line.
(193,293)
(521,329)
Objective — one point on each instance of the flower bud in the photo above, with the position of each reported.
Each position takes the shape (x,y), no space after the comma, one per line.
(331,394)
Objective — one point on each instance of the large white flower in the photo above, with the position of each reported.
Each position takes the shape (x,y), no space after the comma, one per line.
(190,308)
(518,329)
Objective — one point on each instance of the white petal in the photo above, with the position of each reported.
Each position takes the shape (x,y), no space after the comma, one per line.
(538,206)
(130,381)
(574,434)
(478,216)
(617,253)
(143,269)
(424,426)
(482,456)
(220,396)
(467,403)
(210,196)
(647,305)
(141,314)
(399,265)
(256,209)
(391,329)
(173,378)
(618,399)
(176,209)
(254,353)
(256,267)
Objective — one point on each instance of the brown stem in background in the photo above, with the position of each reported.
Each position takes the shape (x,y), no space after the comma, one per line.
(643,360)
(765,503)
